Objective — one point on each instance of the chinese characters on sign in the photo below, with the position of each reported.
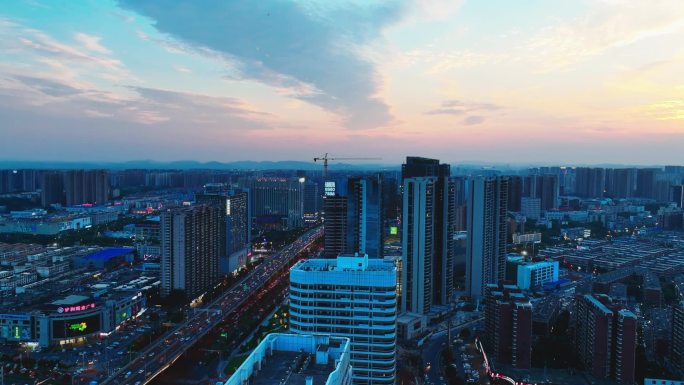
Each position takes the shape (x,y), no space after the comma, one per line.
(71,309)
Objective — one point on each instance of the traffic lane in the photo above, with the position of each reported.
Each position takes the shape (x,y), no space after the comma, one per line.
(432,358)
(281,258)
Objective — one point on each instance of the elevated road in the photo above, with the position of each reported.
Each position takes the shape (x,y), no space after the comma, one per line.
(162,353)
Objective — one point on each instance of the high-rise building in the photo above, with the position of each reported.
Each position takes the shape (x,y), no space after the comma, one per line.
(190,249)
(620,182)
(487,233)
(312,201)
(543,187)
(18,180)
(531,207)
(440,245)
(353,297)
(418,228)
(53,188)
(236,231)
(86,186)
(605,338)
(335,225)
(278,201)
(678,195)
(515,193)
(365,216)
(508,326)
(646,182)
(590,182)
(677,338)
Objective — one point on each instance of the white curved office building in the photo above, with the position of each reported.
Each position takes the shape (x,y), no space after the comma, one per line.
(353,297)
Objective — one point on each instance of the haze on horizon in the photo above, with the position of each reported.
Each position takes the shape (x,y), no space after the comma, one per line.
(564,82)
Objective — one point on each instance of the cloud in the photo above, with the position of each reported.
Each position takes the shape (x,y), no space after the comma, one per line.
(458,107)
(288,44)
(47,86)
(445,111)
(473,120)
(666,110)
(608,25)
(91,43)
(26,47)
(147,106)
(182,69)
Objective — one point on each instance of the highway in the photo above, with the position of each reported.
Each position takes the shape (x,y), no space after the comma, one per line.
(432,352)
(164,352)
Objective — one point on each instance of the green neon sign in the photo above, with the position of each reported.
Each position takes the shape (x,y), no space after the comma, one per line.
(78,327)
(394,230)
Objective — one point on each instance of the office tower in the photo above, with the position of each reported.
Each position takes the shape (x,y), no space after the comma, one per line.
(645,182)
(487,233)
(590,182)
(678,195)
(677,338)
(300,359)
(508,326)
(530,207)
(312,200)
(605,338)
(335,225)
(86,186)
(190,248)
(440,246)
(53,188)
(278,202)
(353,297)
(365,219)
(235,229)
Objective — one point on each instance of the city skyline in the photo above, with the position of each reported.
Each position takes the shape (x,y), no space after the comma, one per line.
(463,81)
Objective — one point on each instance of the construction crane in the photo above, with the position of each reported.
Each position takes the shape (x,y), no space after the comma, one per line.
(325,160)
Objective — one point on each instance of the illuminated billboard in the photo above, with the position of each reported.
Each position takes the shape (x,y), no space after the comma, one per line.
(71,309)
(329,189)
(15,332)
(76,327)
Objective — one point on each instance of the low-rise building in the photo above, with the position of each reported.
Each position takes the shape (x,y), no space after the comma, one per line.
(292,359)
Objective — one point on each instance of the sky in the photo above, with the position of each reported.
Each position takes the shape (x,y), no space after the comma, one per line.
(489,81)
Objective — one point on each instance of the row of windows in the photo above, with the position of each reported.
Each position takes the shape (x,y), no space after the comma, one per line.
(341,305)
(343,314)
(342,322)
(323,287)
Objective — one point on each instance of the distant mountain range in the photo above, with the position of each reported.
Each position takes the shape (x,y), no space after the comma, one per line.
(193,165)
(266,165)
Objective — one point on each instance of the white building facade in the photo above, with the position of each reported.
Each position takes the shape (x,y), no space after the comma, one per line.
(353,297)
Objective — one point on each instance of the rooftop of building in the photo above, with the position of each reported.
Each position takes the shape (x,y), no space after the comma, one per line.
(78,286)
(109,253)
(289,359)
(598,304)
(345,262)
(292,368)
